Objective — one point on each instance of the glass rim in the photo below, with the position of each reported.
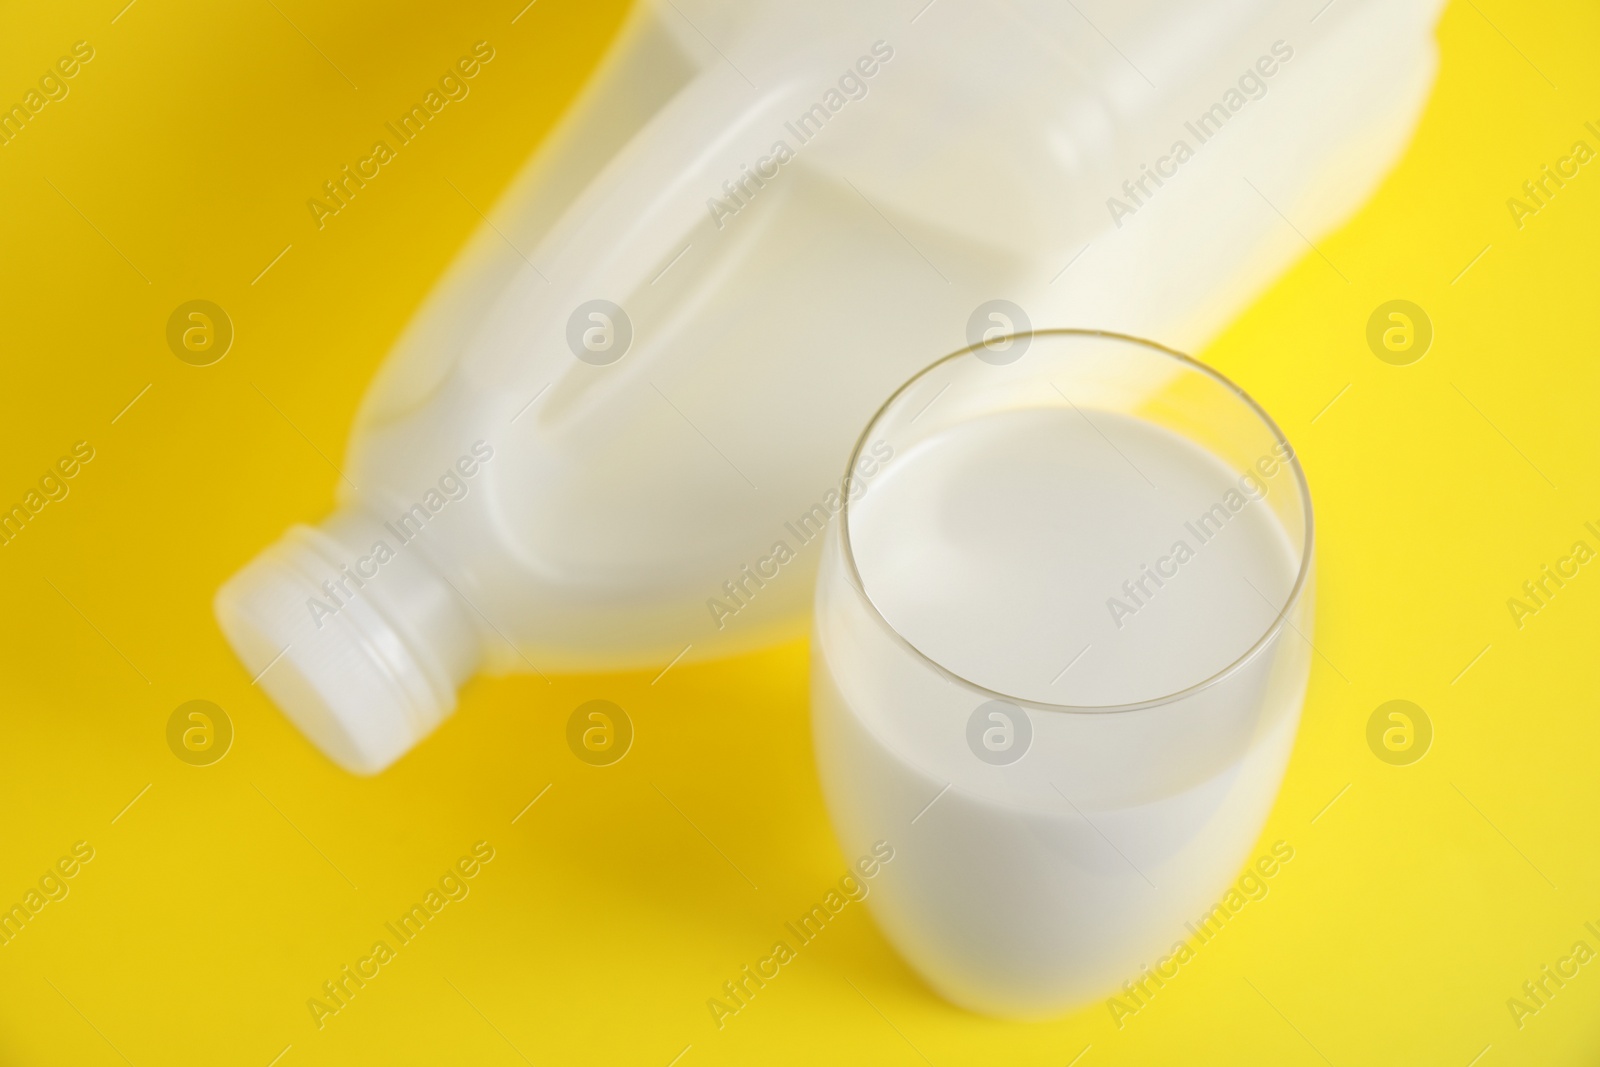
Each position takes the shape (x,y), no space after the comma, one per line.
(1270,633)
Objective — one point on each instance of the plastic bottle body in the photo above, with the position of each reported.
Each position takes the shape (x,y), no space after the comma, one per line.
(667,501)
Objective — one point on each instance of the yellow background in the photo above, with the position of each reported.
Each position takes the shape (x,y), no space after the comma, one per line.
(219,902)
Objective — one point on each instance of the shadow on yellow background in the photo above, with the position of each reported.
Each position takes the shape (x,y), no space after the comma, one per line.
(218,900)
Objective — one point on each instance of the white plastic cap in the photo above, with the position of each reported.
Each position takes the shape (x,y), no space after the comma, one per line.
(365,667)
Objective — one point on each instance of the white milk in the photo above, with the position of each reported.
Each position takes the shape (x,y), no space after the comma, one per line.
(993,547)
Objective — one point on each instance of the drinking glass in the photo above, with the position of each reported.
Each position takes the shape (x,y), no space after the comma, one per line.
(1068,731)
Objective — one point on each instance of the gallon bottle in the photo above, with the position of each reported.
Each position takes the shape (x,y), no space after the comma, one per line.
(613,434)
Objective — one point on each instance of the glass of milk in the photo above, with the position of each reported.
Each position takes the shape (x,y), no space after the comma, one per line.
(1061,643)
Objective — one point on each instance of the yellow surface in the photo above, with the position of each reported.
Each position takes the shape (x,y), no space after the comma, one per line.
(221,900)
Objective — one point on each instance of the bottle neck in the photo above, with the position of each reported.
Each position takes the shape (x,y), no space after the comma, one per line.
(425,621)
